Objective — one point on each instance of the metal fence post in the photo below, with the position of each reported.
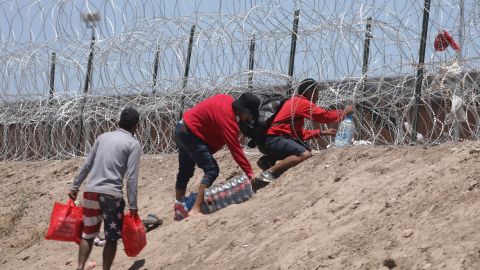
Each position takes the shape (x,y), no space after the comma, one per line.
(366,56)
(420,70)
(50,97)
(155,71)
(251,61)
(187,69)
(293,46)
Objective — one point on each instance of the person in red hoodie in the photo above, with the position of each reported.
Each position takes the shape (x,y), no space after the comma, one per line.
(285,139)
(205,129)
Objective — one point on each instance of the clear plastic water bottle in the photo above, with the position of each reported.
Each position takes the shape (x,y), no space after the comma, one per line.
(248,186)
(235,194)
(209,200)
(228,193)
(216,198)
(221,203)
(244,187)
(345,132)
(239,190)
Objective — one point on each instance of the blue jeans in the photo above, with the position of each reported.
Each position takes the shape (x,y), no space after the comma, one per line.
(193,151)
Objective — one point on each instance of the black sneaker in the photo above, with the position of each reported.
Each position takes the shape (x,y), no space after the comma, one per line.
(264,163)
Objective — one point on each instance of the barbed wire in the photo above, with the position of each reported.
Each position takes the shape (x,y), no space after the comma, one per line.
(131,35)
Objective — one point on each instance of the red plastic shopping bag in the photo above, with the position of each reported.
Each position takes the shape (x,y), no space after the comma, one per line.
(134,236)
(65,223)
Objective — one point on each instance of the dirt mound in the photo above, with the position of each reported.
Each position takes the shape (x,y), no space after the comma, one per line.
(357,208)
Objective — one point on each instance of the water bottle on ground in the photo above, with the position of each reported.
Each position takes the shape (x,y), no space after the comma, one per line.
(244,186)
(235,191)
(209,201)
(248,186)
(216,197)
(228,193)
(345,132)
(221,203)
(240,189)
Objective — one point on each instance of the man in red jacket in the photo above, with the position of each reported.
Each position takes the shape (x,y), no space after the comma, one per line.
(284,141)
(205,129)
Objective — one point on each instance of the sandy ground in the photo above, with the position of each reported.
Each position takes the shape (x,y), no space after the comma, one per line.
(350,208)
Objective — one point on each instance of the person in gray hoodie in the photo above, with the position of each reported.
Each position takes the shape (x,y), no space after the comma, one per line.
(112,156)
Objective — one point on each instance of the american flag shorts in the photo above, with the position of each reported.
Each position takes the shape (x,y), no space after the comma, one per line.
(98,207)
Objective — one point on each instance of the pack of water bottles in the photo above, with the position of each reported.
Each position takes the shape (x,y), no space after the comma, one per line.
(235,190)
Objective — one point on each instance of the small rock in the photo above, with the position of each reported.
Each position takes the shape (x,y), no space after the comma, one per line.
(388,204)
(25,258)
(427,266)
(454,149)
(327,166)
(472,184)
(223,222)
(455,169)
(337,178)
(389,263)
(424,247)
(407,233)
(68,262)
(331,256)
(356,203)
(474,151)
(275,220)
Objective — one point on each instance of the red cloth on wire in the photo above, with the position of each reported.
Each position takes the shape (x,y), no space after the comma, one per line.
(443,40)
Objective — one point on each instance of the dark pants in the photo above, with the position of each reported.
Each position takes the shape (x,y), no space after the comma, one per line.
(191,151)
(278,147)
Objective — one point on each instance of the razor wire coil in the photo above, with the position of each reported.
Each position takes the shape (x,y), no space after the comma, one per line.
(330,40)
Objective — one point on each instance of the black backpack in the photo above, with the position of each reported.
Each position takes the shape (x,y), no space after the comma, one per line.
(270,105)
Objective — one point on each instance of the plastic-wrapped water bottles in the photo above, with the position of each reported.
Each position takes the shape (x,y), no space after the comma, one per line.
(236,190)
(345,132)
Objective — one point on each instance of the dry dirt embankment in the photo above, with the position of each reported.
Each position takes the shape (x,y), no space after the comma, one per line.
(342,209)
